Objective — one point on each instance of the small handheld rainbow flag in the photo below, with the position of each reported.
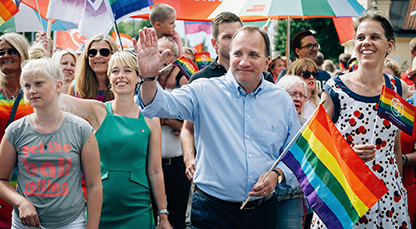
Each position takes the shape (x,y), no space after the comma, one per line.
(337,183)
(395,109)
(186,66)
(203,59)
(7,10)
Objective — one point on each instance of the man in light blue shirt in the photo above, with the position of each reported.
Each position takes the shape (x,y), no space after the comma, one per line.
(242,124)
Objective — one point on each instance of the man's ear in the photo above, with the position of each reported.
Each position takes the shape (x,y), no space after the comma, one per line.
(214,43)
(267,63)
(297,50)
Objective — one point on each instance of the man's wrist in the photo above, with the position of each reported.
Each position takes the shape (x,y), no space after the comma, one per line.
(163,211)
(404,159)
(143,79)
(279,176)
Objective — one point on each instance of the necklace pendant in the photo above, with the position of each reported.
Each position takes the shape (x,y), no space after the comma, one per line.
(12,97)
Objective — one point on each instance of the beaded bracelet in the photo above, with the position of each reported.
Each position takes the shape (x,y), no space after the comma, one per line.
(146,79)
(404,159)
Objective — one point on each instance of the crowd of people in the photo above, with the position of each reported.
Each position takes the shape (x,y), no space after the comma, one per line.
(105,139)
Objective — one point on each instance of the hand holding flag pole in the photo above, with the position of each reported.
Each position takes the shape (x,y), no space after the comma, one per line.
(284,151)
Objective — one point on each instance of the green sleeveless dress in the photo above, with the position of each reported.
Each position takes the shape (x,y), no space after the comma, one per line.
(123,145)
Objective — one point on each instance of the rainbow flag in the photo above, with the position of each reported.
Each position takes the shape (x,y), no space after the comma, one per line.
(7,10)
(338,185)
(395,109)
(186,66)
(203,59)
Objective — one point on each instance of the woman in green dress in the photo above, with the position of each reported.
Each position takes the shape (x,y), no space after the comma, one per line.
(130,150)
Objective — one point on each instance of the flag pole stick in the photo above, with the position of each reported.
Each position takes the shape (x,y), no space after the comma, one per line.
(118,34)
(267,23)
(374,131)
(49,28)
(163,69)
(285,151)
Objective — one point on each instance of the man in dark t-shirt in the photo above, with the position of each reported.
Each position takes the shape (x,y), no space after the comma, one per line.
(304,45)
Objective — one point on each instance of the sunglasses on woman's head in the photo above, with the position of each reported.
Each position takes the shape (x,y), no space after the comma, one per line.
(103,52)
(12,52)
(307,74)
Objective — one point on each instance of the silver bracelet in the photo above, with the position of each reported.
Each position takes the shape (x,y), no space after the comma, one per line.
(163,211)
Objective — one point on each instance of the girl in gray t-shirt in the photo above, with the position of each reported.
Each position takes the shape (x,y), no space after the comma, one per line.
(50,148)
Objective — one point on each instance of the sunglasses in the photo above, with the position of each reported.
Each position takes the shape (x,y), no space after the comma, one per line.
(103,52)
(307,74)
(12,52)
(311,46)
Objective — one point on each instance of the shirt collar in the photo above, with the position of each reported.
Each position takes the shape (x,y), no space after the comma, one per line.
(214,64)
(238,90)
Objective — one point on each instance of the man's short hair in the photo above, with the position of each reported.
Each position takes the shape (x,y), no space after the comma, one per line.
(223,17)
(252,29)
(412,44)
(175,46)
(320,59)
(160,13)
(297,40)
(343,59)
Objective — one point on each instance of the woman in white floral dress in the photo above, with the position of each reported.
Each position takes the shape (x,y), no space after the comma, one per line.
(352,103)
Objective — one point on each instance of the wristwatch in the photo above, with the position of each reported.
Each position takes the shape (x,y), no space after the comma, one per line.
(279,176)
(163,211)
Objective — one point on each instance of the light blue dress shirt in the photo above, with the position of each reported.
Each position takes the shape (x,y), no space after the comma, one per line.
(238,137)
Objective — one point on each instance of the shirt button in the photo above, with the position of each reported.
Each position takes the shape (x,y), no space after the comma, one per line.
(251,176)
(249,155)
(248,116)
(272,127)
(248,136)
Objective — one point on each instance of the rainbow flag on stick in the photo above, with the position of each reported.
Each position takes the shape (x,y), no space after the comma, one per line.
(203,59)
(339,186)
(395,109)
(186,66)
(7,10)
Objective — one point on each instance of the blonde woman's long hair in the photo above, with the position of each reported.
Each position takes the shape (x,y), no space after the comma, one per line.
(21,44)
(296,68)
(86,81)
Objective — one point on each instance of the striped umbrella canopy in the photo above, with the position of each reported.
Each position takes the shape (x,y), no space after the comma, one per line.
(256,10)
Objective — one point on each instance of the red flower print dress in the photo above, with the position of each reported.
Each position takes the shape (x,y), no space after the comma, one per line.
(356,118)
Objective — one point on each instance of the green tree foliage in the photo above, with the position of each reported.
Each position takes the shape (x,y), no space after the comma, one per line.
(132,26)
(326,36)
